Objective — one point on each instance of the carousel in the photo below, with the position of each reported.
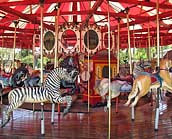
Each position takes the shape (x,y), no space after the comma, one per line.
(83,40)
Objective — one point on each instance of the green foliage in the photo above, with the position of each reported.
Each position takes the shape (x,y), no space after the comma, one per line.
(26,56)
(141,53)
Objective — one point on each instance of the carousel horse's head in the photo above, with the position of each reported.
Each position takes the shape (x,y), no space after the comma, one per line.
(74,73)
(144,64)
(67,62)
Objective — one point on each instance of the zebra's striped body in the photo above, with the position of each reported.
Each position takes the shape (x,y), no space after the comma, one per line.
(50,91)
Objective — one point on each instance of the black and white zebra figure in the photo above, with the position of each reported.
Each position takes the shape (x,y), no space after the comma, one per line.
(50,91)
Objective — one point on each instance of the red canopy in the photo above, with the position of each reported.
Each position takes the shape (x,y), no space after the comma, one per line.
(142,15)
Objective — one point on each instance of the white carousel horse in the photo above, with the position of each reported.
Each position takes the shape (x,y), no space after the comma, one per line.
(143,83)
(119,85)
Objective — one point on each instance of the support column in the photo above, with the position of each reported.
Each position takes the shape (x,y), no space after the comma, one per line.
(14,44)
(57,8)
(118,44)
(158,59)
(109,64)
(41,39)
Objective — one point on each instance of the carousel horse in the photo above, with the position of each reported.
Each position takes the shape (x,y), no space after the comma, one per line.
(21,77)
(119,84)
(69,63)
(146,81)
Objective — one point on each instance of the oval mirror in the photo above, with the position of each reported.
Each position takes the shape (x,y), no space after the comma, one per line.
(93,39)
(49,40)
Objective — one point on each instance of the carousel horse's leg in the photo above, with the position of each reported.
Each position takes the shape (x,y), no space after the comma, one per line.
(10,108)
(66,99)
(132,94)
(142,93)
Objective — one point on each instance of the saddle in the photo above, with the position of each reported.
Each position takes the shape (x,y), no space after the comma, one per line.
(156,78)
(128,79)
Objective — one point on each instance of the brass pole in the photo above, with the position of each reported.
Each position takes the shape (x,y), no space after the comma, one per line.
(129,47)
(41,43)
(33,50)
(158,64)
(56,35)
(14,44)
(88,59)
(118,44)
(109,60)
(149,43)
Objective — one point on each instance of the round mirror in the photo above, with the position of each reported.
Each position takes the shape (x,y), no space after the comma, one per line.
(68,39)
(49,40)
(93,39)
(106,40)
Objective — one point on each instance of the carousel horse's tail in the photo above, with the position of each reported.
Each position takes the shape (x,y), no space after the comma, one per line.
(133,93)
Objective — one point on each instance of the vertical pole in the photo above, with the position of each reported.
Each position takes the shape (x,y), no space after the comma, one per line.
(56,34)
(134,42)
(33,50)
(129,45)
(88,62)
(118,44)
(88,59)
(57,8)
(129,53)
(158,58)
(41,39)
(52,113)
(157,24)
(14,44)
(149,43)
(42,119)
(109,60)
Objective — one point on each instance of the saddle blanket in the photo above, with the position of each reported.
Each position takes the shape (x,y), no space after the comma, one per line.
(153,79)
(126,88)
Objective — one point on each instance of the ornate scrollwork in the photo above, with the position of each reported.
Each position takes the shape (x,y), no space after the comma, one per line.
(69,37)
(92,36)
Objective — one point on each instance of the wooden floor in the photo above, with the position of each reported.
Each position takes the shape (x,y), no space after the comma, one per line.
(79,124)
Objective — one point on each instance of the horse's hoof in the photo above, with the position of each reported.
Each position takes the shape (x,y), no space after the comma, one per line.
(65,112)
(126,104)
(3,124)
(105,109)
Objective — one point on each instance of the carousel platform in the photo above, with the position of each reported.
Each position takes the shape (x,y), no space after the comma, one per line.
(81,124)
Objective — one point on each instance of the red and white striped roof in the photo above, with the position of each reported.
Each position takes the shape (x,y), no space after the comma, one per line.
(142,15)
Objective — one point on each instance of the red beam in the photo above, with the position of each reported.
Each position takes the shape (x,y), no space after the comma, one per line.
(25,16)
(141,21)
(95,6)
(144,3)
(33,2)
(18,29)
